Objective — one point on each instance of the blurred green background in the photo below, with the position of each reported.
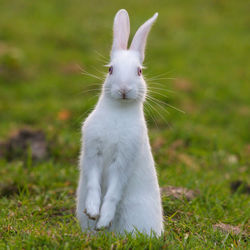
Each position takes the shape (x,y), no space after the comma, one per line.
(197,61)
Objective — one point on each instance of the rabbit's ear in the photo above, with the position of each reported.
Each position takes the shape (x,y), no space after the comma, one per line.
(121,30)
(139,41)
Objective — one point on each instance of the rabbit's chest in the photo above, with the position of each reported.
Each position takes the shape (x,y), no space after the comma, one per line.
(118,135)
(113,136)
(116,138)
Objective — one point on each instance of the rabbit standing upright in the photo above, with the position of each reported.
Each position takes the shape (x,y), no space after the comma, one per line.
(118,187)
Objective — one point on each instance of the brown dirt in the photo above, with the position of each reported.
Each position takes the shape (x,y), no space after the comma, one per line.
(179,192)
(240,186)
(8,189)
(226,228)
(23,140)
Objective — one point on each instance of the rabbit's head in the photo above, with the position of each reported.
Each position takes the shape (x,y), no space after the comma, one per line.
(124,81)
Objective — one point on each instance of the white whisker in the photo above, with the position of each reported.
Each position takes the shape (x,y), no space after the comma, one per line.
(156,88)
(104,59)
(153,100)
(157,111)
(151,114)
(166,104)
(155,92)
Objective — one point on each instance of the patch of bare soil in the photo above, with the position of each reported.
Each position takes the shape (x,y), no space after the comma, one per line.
(240,186)
(226,228)
(9,189)
(179,192)
(23,143)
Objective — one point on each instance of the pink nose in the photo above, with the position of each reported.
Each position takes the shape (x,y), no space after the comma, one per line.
(123,93)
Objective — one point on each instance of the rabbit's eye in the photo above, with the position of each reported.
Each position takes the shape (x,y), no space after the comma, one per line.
(110,70)
(139,71)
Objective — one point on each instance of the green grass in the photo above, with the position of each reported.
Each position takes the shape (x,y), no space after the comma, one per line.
(203,44)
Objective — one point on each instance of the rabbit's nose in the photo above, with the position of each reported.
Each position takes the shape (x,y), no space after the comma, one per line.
(124,92)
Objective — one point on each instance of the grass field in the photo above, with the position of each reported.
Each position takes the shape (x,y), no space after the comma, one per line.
(197,61)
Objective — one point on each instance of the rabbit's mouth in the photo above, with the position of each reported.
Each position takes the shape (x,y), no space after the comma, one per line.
(126,99)
(124,96)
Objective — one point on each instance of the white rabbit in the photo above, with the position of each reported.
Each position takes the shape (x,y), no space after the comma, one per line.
(118,187)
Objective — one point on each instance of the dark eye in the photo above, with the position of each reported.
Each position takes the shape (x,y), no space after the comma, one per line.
(139,71)
(110,70)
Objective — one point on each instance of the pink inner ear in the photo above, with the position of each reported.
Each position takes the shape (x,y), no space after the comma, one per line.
(120,33)
(140,38)
(121,30)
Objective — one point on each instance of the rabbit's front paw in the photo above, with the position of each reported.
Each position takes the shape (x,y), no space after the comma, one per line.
(105,219)
(103,224)
(106,215)
(92,216)
(92,209)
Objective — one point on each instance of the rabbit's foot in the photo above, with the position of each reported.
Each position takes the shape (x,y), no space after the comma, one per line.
(101,226)
(92,210)
(92,216)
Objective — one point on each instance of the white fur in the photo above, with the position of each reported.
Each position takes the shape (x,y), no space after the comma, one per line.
(118,188)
